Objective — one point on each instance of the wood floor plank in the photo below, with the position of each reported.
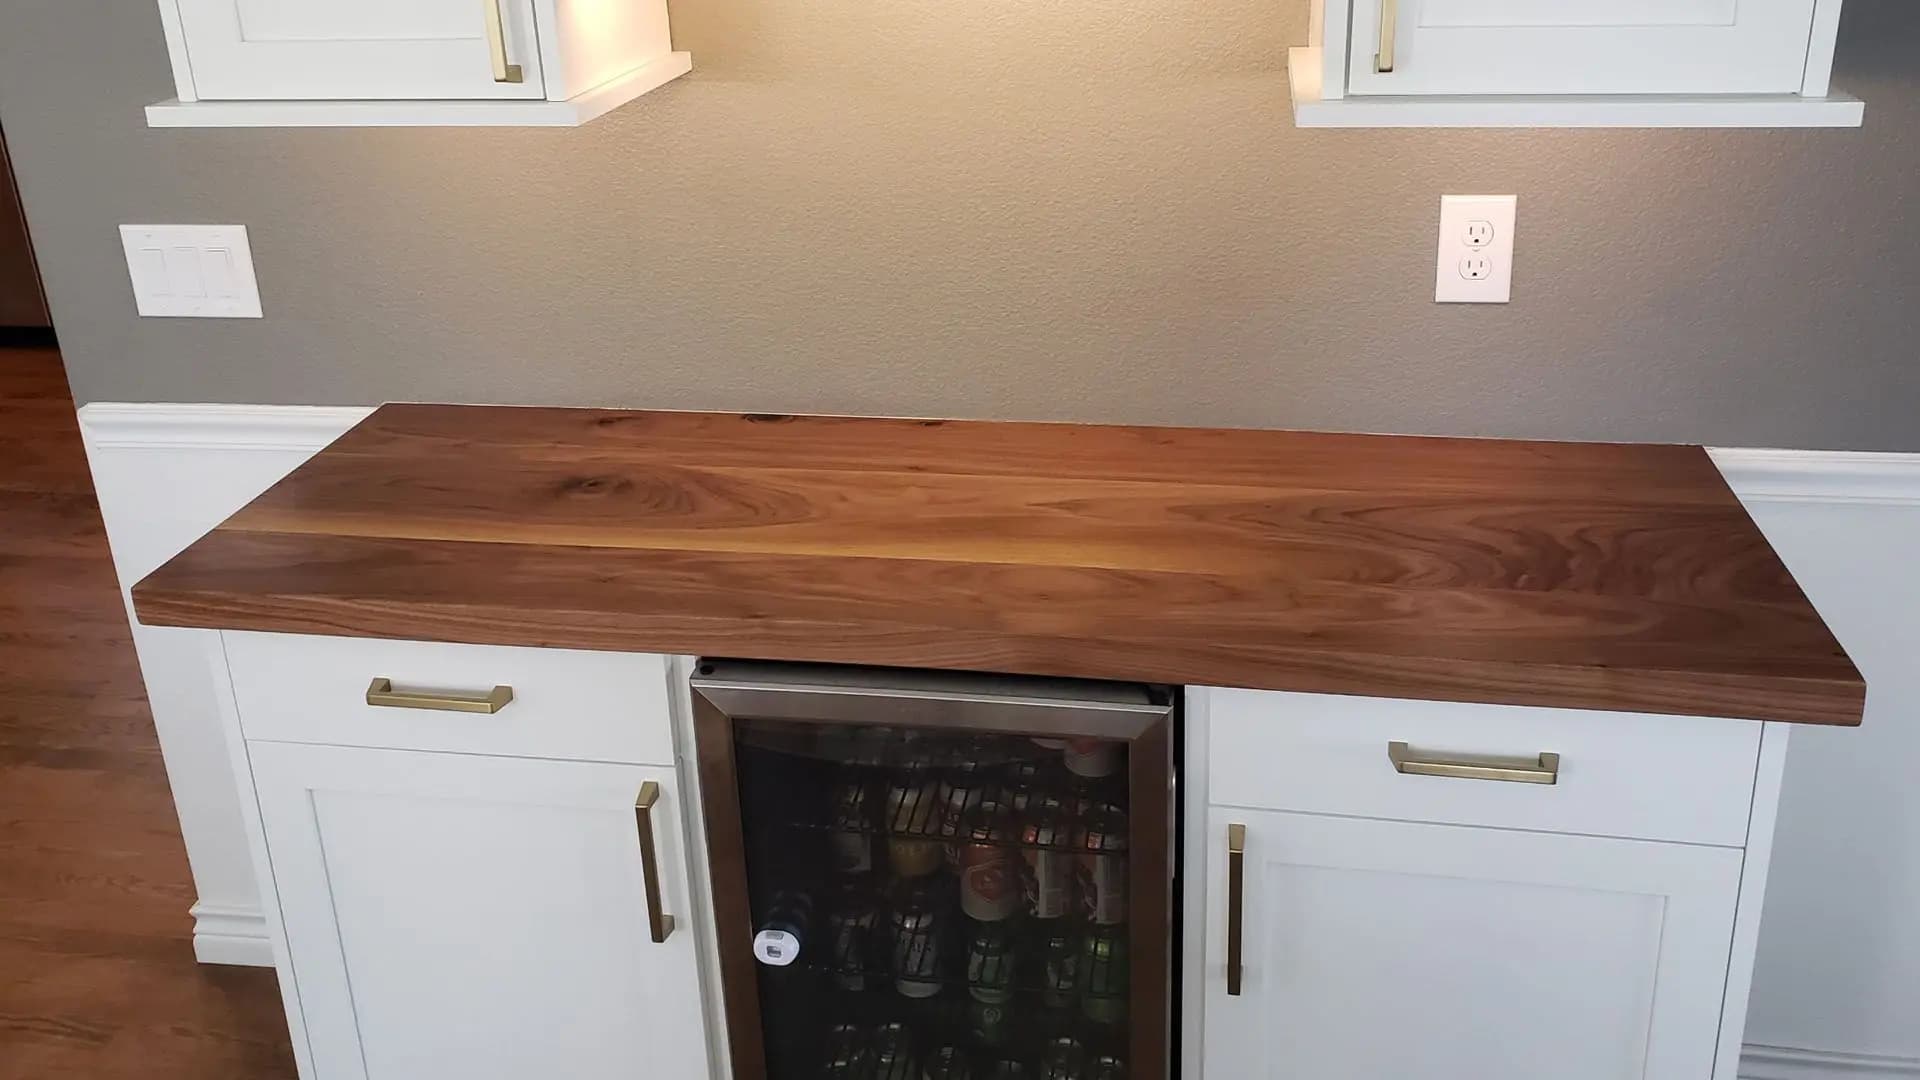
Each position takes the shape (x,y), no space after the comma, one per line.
(97,975)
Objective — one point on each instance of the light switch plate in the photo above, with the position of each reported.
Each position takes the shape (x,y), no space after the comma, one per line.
(191,271)
(1475,261)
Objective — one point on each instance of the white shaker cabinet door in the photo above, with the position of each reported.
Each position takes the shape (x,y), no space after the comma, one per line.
(452,915)
(357,49)
(1581,46)
(1381,950)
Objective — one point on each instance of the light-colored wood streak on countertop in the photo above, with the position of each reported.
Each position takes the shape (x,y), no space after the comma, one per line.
(1598,576)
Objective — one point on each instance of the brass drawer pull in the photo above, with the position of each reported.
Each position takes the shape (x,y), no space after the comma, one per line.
(503,72)
(1544,769)
(1236,882)
(1389,22)
(381,692)
(659,924)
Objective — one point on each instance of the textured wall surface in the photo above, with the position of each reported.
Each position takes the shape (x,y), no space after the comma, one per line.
(1073,209)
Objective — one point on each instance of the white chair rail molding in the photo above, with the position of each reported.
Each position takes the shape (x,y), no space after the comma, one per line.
(293,63)
(1571,63)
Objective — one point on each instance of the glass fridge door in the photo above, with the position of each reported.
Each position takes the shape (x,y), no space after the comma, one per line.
(944,899)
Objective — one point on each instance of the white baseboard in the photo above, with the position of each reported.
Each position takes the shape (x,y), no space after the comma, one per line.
(1786,1063)
(231,935)
(1821,476)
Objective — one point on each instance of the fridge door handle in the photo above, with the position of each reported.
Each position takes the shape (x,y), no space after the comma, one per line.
(1236,879)
(659,924)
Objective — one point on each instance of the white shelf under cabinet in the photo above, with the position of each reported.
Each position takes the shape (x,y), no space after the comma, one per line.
(572,112)
(1310,109)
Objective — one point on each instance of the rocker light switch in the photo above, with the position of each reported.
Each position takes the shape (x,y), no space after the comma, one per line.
(191,271)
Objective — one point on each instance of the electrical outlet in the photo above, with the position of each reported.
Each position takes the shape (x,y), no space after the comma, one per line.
(1474,259)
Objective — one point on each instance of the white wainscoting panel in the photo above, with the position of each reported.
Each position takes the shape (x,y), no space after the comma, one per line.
(166,474)
(1838,967)
(1839,955)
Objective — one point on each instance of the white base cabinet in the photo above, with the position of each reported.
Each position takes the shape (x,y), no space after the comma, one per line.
(443,902)
(1393,950)
(1398,890)
(452,915)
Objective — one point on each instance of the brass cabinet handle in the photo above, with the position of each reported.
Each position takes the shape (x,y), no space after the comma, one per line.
(381,692)
(1389,22)
(659,924)
(1236,884)
(1544,769)
(503,72)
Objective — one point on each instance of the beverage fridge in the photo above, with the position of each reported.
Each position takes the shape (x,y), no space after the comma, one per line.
(939,876)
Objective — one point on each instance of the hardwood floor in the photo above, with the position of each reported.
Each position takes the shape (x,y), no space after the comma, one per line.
(97,976)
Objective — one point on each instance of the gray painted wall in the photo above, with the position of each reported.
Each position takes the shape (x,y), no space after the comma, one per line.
(1074,209)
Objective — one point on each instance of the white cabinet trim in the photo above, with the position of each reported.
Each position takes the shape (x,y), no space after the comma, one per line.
(610,95)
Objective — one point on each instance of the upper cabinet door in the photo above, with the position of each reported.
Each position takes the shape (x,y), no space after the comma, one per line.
(454,915)
(1385,950)
(1581,46)
(370,49)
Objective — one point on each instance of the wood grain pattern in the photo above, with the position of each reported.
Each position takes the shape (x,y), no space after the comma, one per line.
(97,975)
(1597,576)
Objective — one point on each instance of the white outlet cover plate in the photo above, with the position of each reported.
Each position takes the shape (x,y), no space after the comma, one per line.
(1462,216)
(191,271)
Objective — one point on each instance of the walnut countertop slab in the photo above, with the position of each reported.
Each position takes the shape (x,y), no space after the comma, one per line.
(1622,577)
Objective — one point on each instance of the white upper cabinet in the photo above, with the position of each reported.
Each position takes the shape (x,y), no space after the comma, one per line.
(353,62)
(1572,63)
(1582,47)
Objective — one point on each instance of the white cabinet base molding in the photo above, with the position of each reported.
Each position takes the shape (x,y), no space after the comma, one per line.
(231,935)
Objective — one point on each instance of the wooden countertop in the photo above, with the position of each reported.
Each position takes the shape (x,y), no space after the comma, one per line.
(1561,574)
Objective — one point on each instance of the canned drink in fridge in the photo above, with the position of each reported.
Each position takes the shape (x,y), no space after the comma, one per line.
(961,792)
(1063,968)
(893,1054)
(1104,975)
(1063,1058)
(947,1063)
(911,812)
(1046,876)
(847,1053)
(1091,759)
(1101,865)
(989,885)
(988,1023)
(852,834)
(991,957)
(850,928)
(916,946)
